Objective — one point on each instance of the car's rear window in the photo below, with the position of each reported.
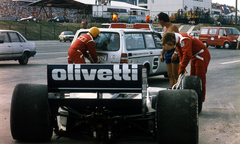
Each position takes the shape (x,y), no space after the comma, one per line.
(110,41)
(107,41)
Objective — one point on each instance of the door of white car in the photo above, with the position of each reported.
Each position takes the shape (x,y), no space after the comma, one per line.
(5,47)
(145,48)
(17,45)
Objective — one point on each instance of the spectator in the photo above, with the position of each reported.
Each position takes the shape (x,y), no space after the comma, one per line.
(171,57)
(84,24)
(238,43)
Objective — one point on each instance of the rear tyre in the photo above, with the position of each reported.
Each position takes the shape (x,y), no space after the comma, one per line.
(195,83)
(24,59)
(30,114)
(176,117)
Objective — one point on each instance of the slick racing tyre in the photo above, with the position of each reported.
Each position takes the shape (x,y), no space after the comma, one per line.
(195,83)
(176,117)
(30,113)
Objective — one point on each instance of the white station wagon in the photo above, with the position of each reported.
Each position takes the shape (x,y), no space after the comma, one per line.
(130,43)
(14,46)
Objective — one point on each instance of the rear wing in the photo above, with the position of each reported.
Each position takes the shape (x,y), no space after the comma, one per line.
(95,78)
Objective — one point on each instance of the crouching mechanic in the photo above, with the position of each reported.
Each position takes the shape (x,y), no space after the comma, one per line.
(78,50)
(190,48)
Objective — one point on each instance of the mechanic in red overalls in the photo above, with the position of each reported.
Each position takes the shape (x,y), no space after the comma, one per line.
(78,50)
(190,48)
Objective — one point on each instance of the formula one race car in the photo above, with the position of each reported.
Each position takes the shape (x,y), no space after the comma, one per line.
(105,102)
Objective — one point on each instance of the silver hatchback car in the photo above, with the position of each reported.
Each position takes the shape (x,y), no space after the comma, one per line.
(14,46)
(66,36)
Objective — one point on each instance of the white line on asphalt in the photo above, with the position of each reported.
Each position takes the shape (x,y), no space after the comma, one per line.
(230,62)
(61,58)
(231,106)
(220,105)
(50,53)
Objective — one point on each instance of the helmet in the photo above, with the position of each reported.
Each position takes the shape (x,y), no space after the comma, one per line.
(94,31)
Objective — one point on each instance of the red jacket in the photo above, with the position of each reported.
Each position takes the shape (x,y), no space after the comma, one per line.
(83,43)
(188,47)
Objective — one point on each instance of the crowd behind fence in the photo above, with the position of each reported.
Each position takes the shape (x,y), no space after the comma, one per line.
(18,9)
(203,16)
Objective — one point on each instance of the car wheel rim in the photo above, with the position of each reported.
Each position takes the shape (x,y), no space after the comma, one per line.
(25,59)
(227,46)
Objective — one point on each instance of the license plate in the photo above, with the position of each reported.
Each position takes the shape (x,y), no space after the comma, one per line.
(102,58)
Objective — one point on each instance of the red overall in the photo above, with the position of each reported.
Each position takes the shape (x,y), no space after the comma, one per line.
(78,50)
(190,48)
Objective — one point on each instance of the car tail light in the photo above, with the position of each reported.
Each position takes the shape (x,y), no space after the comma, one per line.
(124,58)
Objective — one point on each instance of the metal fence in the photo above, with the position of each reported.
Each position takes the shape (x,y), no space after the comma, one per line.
(43,31)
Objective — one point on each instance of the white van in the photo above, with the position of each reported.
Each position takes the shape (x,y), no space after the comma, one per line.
(129,45)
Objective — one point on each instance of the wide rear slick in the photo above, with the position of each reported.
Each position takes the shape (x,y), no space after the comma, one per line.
(30,114)
(176,117)
(195,83)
